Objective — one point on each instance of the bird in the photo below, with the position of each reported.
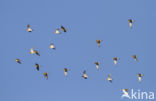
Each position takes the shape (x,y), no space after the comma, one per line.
(98,42)
(32,51)
(130,23)
(57,31)
(109,78)
(37,53)
(37,66)
(65,71)
(140,77)
(135,57)
(45,74)
(63,29)
(18,61)
(115,59)
(97,65)
(125,93)
(29,28)
(84,75)
(52,46)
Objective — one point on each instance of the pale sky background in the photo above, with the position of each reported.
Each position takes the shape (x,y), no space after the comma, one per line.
(86,21)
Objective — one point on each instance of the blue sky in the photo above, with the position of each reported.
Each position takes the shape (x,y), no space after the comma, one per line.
(86,21)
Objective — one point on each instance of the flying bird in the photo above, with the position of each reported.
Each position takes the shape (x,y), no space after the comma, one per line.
(63,29)
(37,53)
(115,59)
(109,78)
(45,74)
(52,46)
(130,23)
(98,42)
(18,61)
(37,66)
(57,31)
(140,77)
(29,28)
(65,71)
(135,57)
(97,65)
(125,93)
(84,75)
(32,51)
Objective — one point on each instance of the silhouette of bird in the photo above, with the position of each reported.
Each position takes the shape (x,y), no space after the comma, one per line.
(135,57)
(18,61)
(130,23)
(29,28)
(52,46)
(57,31)
(125,93)
(65,71)
(98,42)
(45,74)
(32,51)
(115,59)
(84,75)
(109,78)
(37,53)
(63,29)
(139,77)
(97,65)
(37,66)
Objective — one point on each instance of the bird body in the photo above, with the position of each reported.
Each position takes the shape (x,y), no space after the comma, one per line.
(63,29)
(32,51)
(29,28)
(109,78)
(65,71)
(52,46)
(57,31)
(125,93)
(135,57)
(130,23)
(115,59)
(84,75)
(97,65)
(18,61)
(45,74)
(37,66)
(139,77)
(98,42)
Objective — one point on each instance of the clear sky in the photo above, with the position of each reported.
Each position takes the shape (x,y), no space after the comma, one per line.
(86,21)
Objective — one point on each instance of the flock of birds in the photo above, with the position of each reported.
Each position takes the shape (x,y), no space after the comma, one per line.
(84,75)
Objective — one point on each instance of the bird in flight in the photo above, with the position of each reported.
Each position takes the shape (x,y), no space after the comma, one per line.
(135,57)
(37,67)
(52,46)
(18,61)
(29,28)
(84,75)
(115,59)
(140,77)
(98,42)
(63,29)
(97,65)
(109,78)
(130,23)
(125,93)
(32,51)
(45,74)
(57,31)
(65,71)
